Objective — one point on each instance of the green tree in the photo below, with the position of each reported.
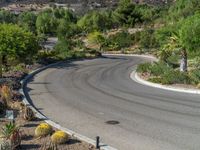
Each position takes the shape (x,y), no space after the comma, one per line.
(28,21)
(185,40)
(7,17)
(16,44)
(46,23)
(189,38)
(97,38)
(95,21)
(183,8)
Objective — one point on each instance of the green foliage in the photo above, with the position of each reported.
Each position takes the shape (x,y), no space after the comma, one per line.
(120,40)
(63,48)
(183,9)
(97,38)
(175,77)
(195,76)
(16,43)
(147,39)
(48,21)
(163,34)
(172,77)
(96,21)
(143,68)
(7,17)
(28,21)
(9,129)
(190,33)
(158,69)
(66,30)
(129,14)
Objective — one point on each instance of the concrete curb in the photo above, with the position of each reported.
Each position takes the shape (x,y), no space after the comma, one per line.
(134,76)
(47,120)
(136,55)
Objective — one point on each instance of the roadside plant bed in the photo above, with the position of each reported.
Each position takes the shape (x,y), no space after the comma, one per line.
(30,142)
(26,122)
(159,72)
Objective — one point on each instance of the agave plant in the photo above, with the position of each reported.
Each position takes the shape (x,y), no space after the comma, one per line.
(11,132)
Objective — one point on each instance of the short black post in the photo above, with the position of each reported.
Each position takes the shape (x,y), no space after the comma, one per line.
(97,142)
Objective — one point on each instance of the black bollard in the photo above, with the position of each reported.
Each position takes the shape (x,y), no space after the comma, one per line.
(97,142)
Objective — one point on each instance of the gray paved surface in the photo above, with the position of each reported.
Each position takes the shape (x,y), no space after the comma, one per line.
(83,95)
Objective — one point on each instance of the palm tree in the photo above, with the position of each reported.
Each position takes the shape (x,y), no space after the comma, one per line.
(174,45)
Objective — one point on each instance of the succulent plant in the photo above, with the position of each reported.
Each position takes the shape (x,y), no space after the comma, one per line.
(11,132)
(28,114)
(43,129)
(59,137)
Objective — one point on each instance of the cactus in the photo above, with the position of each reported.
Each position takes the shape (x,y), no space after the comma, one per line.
(43,129)
(29,115)
(11,132)
(59,137)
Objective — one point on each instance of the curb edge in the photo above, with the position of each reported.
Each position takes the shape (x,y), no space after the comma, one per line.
(47,120)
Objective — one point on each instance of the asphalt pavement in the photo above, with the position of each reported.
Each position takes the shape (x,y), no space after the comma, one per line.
(86,95)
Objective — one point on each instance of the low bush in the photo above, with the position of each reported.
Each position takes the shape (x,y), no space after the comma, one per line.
(59,137)
(147,39)
(43,129)
(142,68)
(159,68)
(155,79)
(175,77)
(194,76)
(120,40)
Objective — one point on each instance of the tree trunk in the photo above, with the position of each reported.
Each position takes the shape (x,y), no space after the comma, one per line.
(183,64)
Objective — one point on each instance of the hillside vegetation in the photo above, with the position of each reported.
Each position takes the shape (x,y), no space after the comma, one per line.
(171,32)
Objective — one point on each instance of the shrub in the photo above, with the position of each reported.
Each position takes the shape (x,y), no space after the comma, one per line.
(120,40)
(43,129)
(147,39)
(175,77)
(155,79)
(142,68)
(159,68)
(59,137)
(194,76)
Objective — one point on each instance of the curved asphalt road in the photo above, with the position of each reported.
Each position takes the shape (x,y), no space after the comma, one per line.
(83,95)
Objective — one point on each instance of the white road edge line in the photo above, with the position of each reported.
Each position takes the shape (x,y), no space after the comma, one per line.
(52,123)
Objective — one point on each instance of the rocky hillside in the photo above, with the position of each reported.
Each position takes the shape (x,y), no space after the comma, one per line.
(87,2)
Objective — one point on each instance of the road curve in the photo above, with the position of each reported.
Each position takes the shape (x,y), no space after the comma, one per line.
(83,95)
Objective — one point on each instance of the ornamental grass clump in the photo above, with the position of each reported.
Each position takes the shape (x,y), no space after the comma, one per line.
(59,137)
(6,94)
(43,129)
